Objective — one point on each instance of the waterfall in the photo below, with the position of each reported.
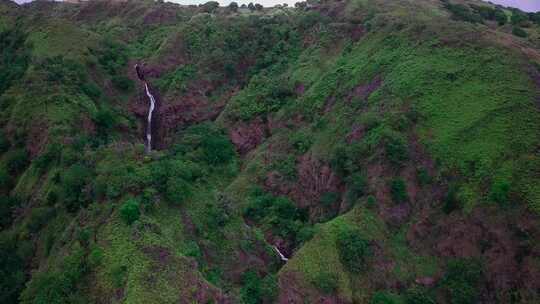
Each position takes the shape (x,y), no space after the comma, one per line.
(150,111)
(281,256)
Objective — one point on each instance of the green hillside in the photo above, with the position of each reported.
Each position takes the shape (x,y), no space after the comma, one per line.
(358,151)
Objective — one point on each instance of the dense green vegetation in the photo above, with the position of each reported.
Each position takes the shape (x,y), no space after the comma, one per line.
(387,149)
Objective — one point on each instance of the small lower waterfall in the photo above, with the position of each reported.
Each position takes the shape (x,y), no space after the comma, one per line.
(281,256)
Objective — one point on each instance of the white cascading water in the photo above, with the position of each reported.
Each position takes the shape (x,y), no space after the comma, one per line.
(281,256)
(150,110)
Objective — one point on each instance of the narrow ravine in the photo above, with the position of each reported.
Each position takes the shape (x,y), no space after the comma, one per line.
(151,108)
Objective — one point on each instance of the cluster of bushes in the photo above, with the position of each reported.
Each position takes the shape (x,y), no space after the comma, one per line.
(264,94)
(462,279)
(113,58)
(17,160)
(13,253)
(73,183)
(480,13)
(177,80)
(327,282)
(4,143)
(476,13)
(279,215)
(354,250)
(7,204)
(70,74)
(205,144)
(347,157)
(257,290)
(58,285)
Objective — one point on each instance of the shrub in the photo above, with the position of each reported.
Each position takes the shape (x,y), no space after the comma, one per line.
(39,218)
(7,204)
(357,185)
(396,148)
(12,268)
(518,18)
(51,155)
(256,290)
(519,32)
(84,237)
(122,83)
(14,56)
(129,212)
(73,182)
(277,213)
(462,12)
(105,120)
(327,282)
(329,198)
(371,202)
(461,280)
(57,285)
(343,160)
(91,90)
(301,141)
(423,177)
(353,250)
(286,167)
(500,192)
(207,143)
(383,297)
(217,149)
(451,201)
(5,180)
(4,143)
(178,190)
(17,160)
(305,234)
(418,296)
(398,190)
(95,257)
(500,17)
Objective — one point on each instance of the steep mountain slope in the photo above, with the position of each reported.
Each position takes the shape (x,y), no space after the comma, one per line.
(363,151)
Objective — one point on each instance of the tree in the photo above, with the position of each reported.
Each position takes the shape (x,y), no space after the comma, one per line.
(353,250)
(233,7)
(500,192)
(519,32)
(300,5)
(258,7)
(251,7)
(210,6)
(518,17)
(500,17)
(327,282)
(130,211)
